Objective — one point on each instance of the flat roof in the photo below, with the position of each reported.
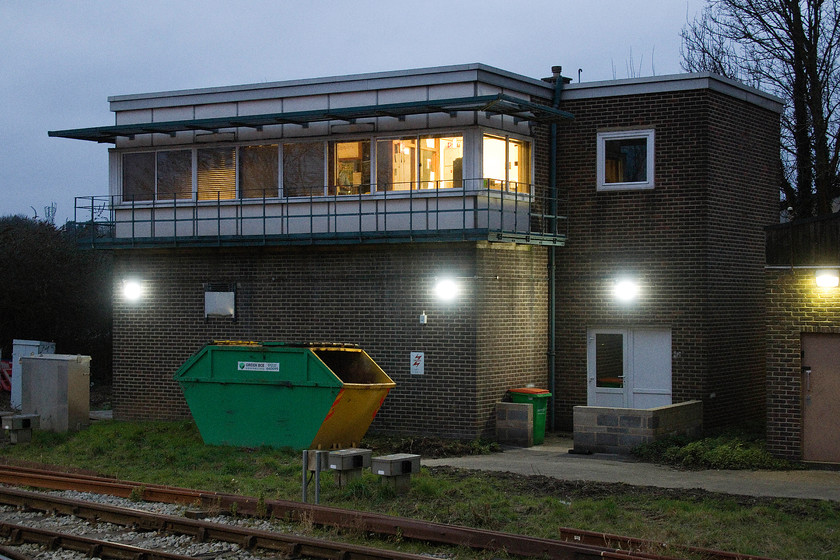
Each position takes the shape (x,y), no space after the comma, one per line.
(498,104)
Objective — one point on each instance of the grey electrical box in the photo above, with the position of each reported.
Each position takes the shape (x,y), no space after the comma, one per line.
(57,387)
(21,348)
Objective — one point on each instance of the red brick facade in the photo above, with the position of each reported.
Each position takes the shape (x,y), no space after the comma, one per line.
(695,242)
(492,339)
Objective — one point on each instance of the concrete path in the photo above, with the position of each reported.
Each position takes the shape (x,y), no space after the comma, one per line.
(553,459)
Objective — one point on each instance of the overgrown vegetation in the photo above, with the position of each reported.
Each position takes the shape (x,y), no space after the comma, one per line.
(54,291)
(173,453)
(740,449)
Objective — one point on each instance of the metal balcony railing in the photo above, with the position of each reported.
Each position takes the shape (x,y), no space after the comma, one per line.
(480,209)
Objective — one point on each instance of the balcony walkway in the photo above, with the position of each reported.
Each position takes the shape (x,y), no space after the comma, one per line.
(497,214)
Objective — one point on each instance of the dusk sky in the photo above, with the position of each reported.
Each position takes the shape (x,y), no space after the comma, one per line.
(62,60)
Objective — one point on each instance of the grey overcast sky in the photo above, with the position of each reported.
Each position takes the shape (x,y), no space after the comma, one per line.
(60,60)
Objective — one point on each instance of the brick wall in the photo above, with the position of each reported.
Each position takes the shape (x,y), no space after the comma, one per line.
(695,242)
(794,306)
(492,338)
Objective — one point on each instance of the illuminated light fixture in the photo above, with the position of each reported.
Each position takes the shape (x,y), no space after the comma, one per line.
(447,289)
(132,290)
(626,290)
(828,278)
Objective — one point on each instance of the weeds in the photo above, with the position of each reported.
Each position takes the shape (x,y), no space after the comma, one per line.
(733,450)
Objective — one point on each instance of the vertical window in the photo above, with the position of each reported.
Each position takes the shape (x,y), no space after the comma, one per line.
(303,169)
(138,176)
(438,162)
(258,170)
(519,166)
(625,160)
(216,173)
(506,164)
(350,167)
(395,167)
(174,174)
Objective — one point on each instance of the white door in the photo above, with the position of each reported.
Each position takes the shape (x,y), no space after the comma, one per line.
(629,368)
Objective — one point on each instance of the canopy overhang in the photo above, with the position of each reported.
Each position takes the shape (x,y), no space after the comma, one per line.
(499,104)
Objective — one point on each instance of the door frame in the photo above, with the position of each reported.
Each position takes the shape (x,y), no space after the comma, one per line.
(629,395)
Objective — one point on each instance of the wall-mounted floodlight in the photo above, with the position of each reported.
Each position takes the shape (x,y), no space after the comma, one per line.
(447,289)
(828,278)
(132,290)
(626,290)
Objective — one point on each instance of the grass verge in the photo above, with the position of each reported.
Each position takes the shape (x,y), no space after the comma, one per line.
(173,453)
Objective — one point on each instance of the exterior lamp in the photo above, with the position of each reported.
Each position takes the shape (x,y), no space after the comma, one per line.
(626,290)
(447,289)
(828,278)
(132,290)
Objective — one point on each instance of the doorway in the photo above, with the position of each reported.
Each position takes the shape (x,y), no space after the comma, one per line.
(629,367)
(820,395)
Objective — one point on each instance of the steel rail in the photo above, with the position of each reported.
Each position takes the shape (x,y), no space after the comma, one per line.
(91,547)
(246,538)
(8,554)
(519,545)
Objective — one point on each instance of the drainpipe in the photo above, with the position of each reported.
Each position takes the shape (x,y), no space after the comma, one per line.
(556,72)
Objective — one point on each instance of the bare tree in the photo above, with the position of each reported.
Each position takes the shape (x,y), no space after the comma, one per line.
(790,48)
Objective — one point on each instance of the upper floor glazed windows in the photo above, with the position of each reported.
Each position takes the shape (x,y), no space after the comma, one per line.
(303,168)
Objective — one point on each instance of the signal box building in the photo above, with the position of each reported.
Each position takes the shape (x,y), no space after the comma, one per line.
(332,209)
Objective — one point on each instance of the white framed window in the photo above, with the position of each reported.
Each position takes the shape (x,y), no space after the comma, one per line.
(625,160)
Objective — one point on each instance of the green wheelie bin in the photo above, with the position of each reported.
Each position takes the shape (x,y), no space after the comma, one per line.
(538,398)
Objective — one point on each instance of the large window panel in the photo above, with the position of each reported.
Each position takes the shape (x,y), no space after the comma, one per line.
(138,176)
(506,164)
(419,163)
(216,173)
(258,170)
(350,167)
(303,169)
(174,174)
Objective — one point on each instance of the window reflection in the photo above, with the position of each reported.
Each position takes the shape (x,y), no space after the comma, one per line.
(303,169)
(609,360)
(138,176)
(258,171)
(174,175)
(626,160)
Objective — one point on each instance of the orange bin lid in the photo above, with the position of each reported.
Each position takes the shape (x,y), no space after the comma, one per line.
(529,391)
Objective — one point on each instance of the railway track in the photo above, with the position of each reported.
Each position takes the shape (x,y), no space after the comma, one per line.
(569,544)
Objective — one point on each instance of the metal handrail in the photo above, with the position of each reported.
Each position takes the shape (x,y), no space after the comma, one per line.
(505,212)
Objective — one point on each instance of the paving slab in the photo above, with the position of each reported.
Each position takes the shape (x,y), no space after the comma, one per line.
(554,460)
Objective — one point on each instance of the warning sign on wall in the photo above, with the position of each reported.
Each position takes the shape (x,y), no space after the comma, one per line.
(417,361)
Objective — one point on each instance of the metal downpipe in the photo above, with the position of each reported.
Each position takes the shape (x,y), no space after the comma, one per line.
(552,250)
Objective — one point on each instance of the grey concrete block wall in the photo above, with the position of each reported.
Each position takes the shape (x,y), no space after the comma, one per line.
(619,430)
(515,424)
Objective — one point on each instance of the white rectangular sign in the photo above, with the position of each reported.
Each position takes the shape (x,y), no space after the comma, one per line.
(259,366)
(417,363)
